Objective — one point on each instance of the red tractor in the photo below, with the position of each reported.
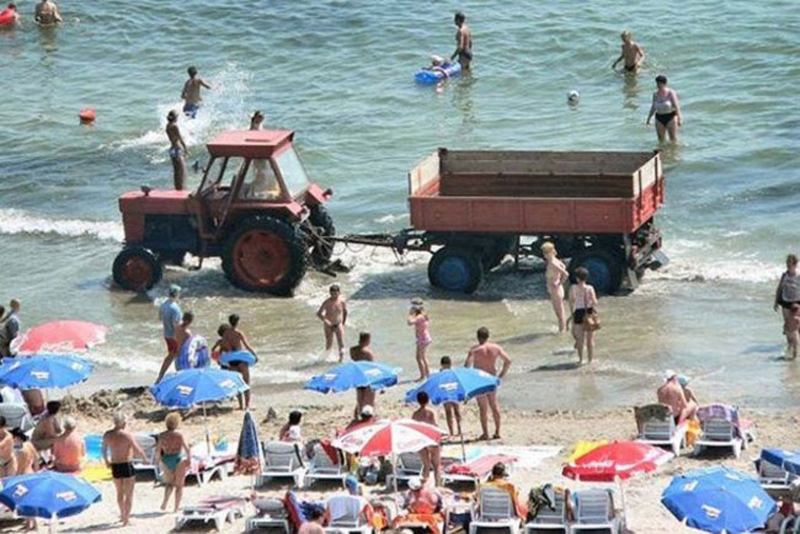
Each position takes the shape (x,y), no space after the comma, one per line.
(266,221)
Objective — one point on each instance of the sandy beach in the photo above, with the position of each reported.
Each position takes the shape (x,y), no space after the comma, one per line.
(324,414)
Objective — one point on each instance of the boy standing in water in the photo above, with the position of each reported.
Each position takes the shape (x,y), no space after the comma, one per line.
(191,93)
(333,314)
(177,150)
(631,52)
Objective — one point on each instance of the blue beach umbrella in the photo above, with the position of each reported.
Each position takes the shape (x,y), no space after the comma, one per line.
(238,356)
(354,375)
(44,371)
(455,385)
(190,387)
(249,450)
(718,499)
(47,494)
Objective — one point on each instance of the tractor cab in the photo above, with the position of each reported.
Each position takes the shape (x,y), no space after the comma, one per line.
(255,207)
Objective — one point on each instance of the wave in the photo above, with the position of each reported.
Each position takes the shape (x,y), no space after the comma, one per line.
(15,222)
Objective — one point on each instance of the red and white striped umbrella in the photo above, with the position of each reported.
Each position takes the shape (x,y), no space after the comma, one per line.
(59,337)
(387,437)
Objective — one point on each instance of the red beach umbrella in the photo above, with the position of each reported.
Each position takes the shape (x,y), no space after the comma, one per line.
(618,460)
(59,336)
(389,437)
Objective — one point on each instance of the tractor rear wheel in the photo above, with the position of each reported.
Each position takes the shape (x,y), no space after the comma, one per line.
(605,270)
(266,255)
(320,218)
(455,269)
(136,269)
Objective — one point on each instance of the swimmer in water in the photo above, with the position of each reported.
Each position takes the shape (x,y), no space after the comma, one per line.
(666,109)
(11,13)
(177,150)
(631,52)
(47,13)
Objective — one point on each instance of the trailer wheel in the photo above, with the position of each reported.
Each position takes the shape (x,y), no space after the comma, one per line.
(136,269)
(605,271)
(265,255)
(455,269)
(321,252)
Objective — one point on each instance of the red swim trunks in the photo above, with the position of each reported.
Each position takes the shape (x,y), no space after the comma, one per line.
(172,346)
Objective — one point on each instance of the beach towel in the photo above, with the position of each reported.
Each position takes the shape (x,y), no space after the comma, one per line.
(480,466)
(729,413)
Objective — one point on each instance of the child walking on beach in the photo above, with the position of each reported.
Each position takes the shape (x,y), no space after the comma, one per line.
(418,318)
(333,314)
(451,410)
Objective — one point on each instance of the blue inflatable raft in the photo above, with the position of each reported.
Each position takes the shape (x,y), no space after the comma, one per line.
(429,76)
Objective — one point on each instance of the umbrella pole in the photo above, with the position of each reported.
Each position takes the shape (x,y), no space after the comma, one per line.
(623,503)
(205,424)
(461,438)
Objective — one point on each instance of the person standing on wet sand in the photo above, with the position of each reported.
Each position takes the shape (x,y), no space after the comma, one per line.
(666,109)
(333,314)
(484,356)
(177,150)
(555,275)
(787,297)
(583,301)
(171,316)
(118,451)
(191,93)
(362,353)
(234,340)
(631,52)
(463,41)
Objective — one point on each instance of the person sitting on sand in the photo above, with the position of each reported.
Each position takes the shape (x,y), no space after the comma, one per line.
(69,450)
(8,460)
(671,394)
(348,505)
(499,479)
(118,450)
(291,431)
(48,429)
(173,454)
(47,13)
(315,518)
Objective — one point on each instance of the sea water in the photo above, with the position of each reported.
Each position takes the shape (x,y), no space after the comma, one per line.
(341,75)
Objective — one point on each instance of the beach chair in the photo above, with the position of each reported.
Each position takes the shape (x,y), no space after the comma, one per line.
(146,467)
(205,464)
(477,470)
(409,464)
(213,509)
(772,474)
(720,427)
(17,415)
(346,515)
(553,519)
(323,467)
(282,460)
(658,427)
(594,512)
(271,514)
(496,510)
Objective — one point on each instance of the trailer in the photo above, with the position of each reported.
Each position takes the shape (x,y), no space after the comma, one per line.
(471,209)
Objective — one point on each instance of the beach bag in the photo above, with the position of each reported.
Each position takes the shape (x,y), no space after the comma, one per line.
(591,323)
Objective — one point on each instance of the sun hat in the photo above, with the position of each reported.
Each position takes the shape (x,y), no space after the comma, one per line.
(351,483)
(669,374)
(414,483)
(437,60)
(684,380)
(174,289)
(367,411)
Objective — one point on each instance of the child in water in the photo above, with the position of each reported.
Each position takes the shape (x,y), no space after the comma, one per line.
(419,320)
(439,64)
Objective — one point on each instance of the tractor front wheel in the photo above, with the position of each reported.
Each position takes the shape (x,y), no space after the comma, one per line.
(266,255)
(136,269)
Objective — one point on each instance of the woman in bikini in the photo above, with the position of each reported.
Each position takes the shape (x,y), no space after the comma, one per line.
(787,297)
(582,300)
(555,274)
(173,454)
(666,109)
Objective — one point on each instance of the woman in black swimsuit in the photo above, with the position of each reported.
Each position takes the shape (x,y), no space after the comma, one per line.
(582,300)
(787,297)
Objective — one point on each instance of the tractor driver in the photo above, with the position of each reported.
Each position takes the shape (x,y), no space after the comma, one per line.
(264,184)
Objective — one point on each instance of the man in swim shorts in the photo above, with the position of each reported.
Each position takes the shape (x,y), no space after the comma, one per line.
(119,449)
(171,316)
(191,93)
(463,41)
(484,357)
(47,13)
(631,52)
(177,150)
